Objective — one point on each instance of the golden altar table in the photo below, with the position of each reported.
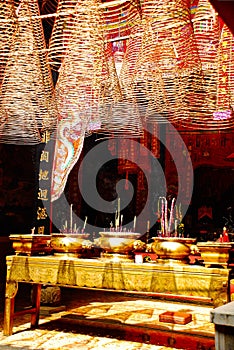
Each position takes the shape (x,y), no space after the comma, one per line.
(185,282)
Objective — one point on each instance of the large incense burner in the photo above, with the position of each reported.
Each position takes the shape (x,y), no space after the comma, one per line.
(118,243)
(171,245)
(176,249)
(215,253)
(70,243)
(31,244)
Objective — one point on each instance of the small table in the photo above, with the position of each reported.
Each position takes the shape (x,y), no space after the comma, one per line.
(179,282)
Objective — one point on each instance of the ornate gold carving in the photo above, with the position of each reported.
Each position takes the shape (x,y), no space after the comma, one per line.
(181,280)
(11,289)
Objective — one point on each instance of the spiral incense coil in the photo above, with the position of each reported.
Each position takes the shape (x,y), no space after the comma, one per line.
(7,25)
(28,106)
(88,83)
(62,30)
(159,54)
(119,64)
(167,14)
(210,105)
(80,80)
(120,17)
(116,22)
(224,97)
(206,33)
(119,112)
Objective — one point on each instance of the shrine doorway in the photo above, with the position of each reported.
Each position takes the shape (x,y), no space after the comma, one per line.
(213,200)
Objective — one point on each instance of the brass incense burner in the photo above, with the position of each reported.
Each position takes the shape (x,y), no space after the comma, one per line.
(215,253)
(117,244)
(31,244)
(172,248)
(70,243)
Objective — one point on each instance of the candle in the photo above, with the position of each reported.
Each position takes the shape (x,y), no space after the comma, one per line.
(71,217)
(134,224)
(121,220)
(65,224)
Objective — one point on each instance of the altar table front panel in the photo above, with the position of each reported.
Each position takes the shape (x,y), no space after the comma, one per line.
(185,280)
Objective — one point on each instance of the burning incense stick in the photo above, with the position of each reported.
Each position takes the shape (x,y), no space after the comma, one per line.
(85,222)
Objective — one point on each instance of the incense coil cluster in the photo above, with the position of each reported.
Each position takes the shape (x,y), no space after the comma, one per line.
(88,83)
(159,58)
(119,64)
(28,106)
(210,106)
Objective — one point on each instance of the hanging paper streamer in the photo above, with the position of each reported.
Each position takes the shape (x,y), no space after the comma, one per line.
(68,147)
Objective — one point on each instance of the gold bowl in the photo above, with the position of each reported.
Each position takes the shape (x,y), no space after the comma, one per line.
(175,248)
(70,243)
(117,242)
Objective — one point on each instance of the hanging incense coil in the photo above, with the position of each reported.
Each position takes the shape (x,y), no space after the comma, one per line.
(159,59)
(62,30)
(7,19)
(80,76)
(120,116)
(173,66)
(116,23)
(119,113)
(28,106)
(120,17)
(206,34)
(88,83)
(211,106)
